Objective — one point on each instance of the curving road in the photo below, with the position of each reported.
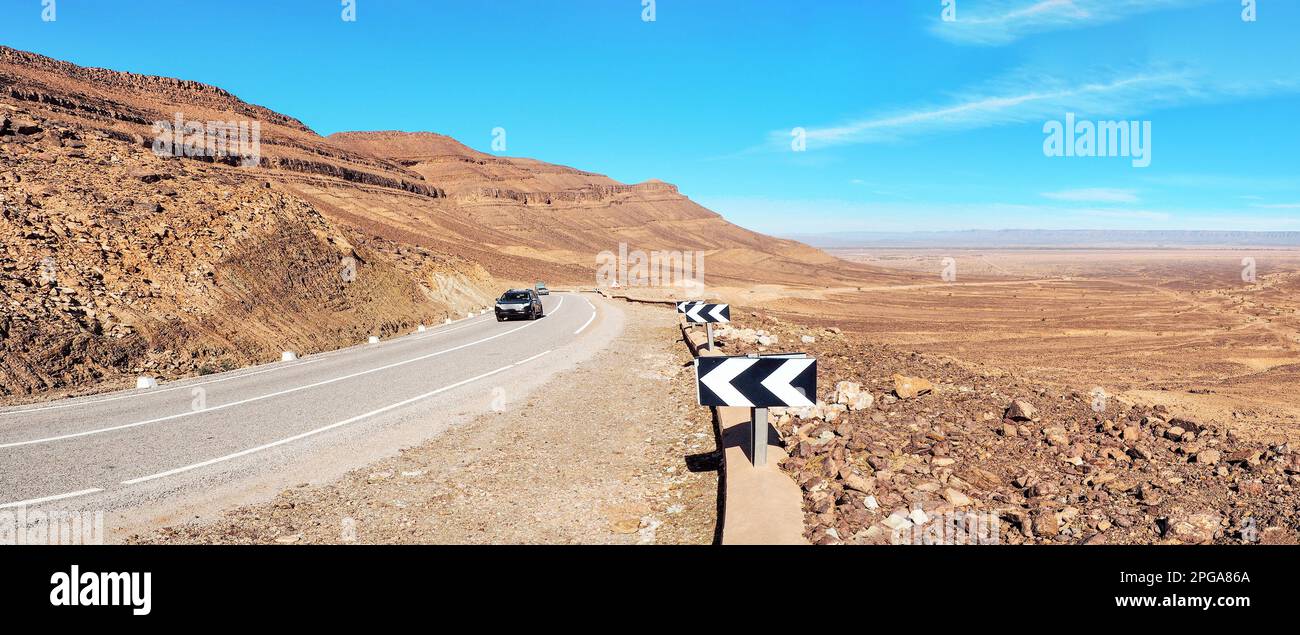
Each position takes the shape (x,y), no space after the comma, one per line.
(319,415)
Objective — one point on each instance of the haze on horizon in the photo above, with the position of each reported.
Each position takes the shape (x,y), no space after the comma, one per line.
(911,121)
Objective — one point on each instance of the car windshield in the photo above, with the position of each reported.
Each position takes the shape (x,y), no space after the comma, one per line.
(515,296)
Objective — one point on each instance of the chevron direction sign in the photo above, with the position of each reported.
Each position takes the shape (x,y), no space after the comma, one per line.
(683,306)
(756,382)
(708,313)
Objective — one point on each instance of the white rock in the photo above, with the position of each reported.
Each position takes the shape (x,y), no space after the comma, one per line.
(896,522)
(146,382)
(807,339)
(917,516)
(447,321)
(871,503)
(288,356)
(420,329)
(374,339)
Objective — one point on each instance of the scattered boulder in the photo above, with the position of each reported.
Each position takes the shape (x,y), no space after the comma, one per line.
(1021,410)
(956,498)
(908,387)
(1192,528)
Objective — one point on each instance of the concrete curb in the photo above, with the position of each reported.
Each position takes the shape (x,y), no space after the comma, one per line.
(761,505)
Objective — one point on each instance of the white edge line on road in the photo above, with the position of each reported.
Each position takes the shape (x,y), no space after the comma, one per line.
(270,395)
(588,322)
(147,393)
(237,374)
(56,497)
(331,426)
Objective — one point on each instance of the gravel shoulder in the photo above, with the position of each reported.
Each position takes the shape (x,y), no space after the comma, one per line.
(595,456)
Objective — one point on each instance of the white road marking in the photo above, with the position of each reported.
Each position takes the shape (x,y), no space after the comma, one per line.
(593,316)
(331,426)
(134,393)
(235,375)
(56,497)
(274,394)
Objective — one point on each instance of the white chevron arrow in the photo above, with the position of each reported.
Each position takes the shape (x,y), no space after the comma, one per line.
(779,382)
(717,313)
(719,381)
(693,313)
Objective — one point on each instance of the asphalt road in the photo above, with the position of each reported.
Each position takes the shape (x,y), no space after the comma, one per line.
(138,447)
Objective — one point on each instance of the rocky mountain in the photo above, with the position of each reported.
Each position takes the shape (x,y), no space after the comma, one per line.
(162,226)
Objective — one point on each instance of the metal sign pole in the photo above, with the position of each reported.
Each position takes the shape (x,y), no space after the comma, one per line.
(758,437)
(709,327)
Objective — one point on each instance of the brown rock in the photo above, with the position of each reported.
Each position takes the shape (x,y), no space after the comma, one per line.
(956,498)
(1208,457)
(1193,528)
(1021,410)
(908,387)
(1046,523)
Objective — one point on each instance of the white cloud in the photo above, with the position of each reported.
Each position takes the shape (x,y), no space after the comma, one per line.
(1277,205)
(1031,97)
(1021,98)
(1094,195)
(997,22)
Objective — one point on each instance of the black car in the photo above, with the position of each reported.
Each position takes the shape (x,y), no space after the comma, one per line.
(519,303)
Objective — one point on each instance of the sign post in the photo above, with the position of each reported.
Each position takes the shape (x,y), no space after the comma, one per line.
(757,383)
(706,314)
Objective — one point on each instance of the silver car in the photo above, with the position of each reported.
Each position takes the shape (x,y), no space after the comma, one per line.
(519,303)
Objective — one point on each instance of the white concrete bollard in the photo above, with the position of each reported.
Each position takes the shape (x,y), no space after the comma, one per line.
(288,356)
(447,321)
(469,315)
(146,382)
(374,339)
(420,329)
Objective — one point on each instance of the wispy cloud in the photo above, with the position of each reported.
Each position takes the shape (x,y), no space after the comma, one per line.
(1027,96)
(1277,205)
(1021,98)
(997,22)
(1094,195)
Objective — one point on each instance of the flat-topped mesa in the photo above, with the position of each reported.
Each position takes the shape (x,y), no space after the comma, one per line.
(589,194)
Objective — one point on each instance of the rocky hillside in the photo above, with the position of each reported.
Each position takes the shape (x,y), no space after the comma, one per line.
(910,448)
(115,260)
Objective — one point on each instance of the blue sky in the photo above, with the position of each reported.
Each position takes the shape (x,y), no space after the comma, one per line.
(911,121)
